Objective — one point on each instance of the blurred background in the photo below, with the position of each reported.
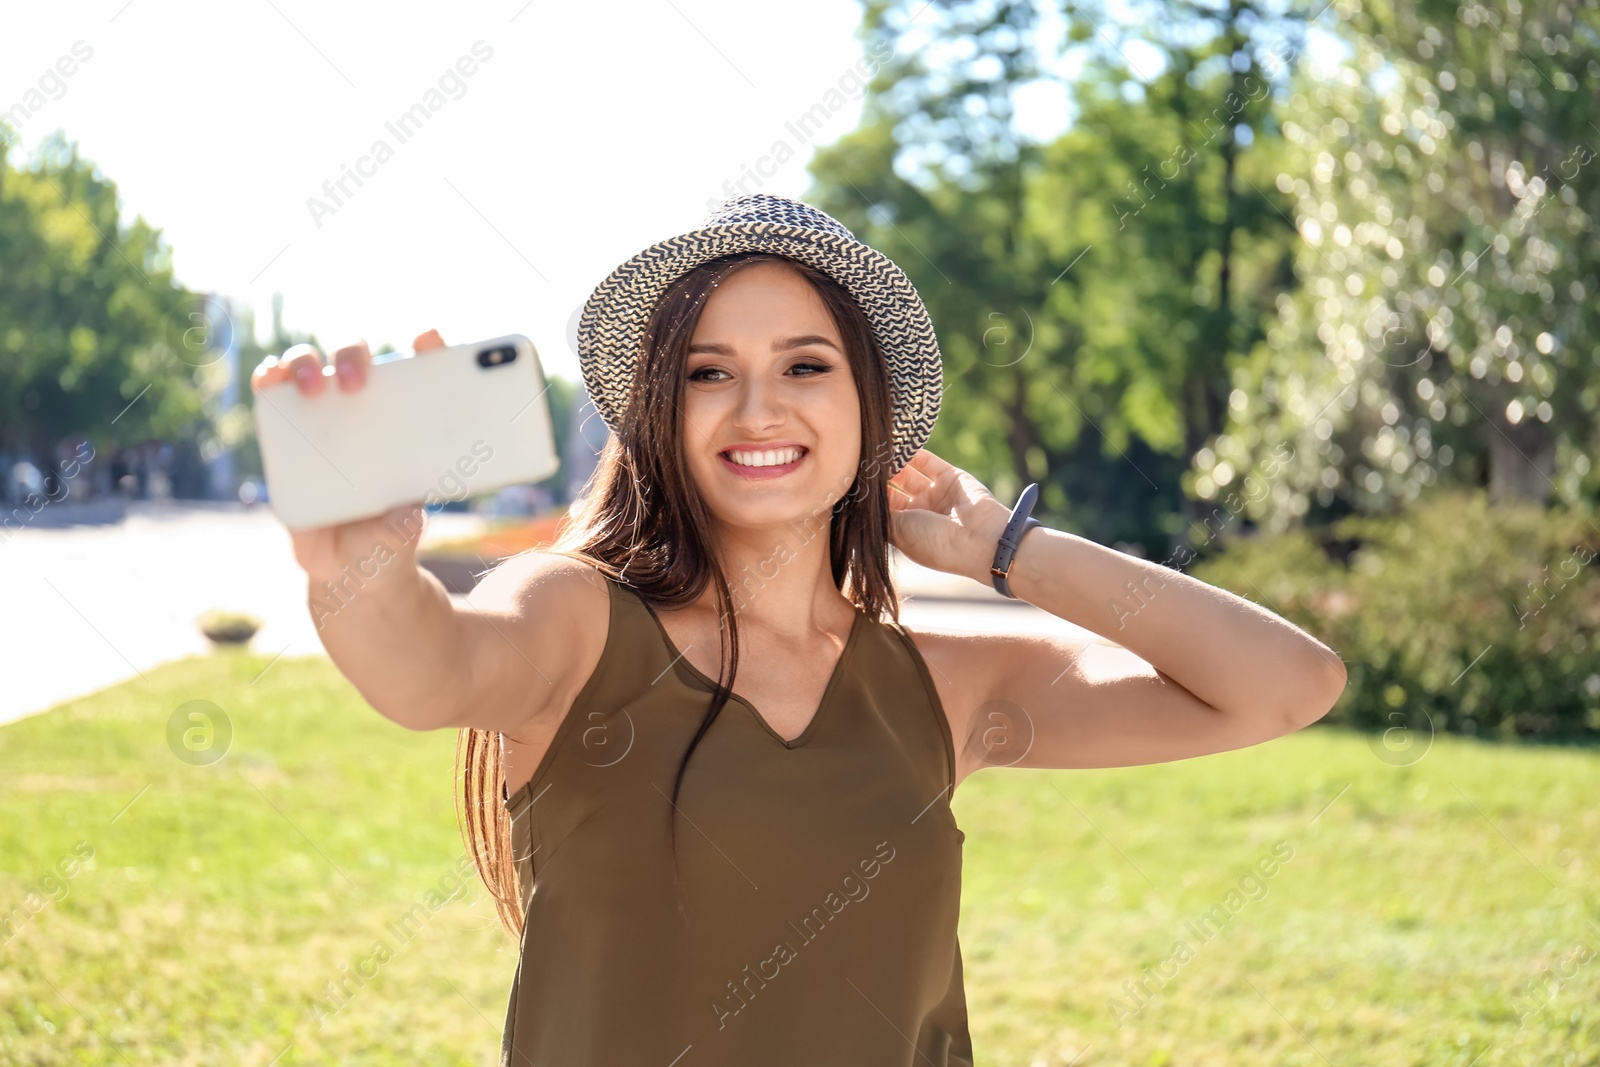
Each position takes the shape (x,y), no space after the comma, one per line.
(1297,298)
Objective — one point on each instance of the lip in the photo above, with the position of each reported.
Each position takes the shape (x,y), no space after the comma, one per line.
(763,473)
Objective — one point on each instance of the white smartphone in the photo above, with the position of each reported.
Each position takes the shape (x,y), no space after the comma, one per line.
(437,426)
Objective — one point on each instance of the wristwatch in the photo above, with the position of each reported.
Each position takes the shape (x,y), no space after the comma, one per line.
(1021,522)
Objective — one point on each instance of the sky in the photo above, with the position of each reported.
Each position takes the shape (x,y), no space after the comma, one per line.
(581,134)
(559,140)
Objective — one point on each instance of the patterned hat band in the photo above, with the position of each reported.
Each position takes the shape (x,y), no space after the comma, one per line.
(611,329)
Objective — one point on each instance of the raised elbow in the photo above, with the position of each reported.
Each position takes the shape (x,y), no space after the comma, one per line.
(1331,677)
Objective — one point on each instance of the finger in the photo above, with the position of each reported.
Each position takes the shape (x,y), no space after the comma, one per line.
(899,498)
(946,486)
(928,463)
(902,499)
(269,371)
(921,489)
(909,494)
(407,519)
(425,341)
(909,477)
(304,365)
(901,531)
(402,513)
(350,365)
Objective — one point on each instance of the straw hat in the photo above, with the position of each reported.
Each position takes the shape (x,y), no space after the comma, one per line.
(612,326)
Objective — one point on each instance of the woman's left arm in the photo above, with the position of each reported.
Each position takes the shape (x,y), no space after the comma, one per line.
(1197,668)
(1236,656)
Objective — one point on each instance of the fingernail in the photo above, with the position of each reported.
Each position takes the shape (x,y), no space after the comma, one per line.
(349,372)
(305,374)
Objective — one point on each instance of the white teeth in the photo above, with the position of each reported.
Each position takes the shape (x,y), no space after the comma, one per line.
(769,458)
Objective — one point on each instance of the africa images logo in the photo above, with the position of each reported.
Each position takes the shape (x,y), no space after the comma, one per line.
(810,928)
(403,128)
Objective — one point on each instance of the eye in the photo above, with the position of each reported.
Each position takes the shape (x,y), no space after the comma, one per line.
(700,375)
(812,366)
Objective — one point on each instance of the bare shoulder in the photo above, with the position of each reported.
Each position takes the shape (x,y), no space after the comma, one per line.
(544,616)
(548,581)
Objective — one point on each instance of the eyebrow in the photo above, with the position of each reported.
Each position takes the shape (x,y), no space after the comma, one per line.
(784,345)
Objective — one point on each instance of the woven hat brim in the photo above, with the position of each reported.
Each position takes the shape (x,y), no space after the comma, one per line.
(612,325)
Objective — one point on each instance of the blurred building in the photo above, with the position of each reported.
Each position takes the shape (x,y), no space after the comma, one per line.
(222,339)
(586,436)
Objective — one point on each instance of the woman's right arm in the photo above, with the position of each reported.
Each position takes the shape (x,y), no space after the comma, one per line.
(508,657)
(501,662)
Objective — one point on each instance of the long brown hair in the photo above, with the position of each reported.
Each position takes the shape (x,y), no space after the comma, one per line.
(641,521)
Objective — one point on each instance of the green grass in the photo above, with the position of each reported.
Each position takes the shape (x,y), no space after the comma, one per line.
(1426,913)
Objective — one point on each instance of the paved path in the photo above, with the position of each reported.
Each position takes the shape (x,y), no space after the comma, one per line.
(89,606)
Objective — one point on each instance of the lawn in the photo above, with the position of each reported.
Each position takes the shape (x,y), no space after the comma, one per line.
(1318,900)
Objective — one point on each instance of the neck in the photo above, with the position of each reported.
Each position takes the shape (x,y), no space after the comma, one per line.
(781,577)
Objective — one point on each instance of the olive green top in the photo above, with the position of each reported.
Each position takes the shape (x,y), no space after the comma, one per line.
(821,876)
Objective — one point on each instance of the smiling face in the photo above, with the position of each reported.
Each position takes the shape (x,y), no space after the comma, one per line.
(772,418)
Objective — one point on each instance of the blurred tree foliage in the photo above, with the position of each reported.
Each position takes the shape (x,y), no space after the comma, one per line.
(1457,616)
(1445,328)
(97,339)
(1237,286)
(1092,294)
(236,429)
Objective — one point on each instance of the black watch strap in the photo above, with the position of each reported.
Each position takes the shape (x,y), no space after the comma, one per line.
(1021,522)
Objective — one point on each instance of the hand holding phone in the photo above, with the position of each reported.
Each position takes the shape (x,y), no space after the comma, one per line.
(324,551)
(356,447)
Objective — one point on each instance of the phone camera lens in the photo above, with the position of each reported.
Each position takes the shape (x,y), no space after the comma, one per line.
(495,357)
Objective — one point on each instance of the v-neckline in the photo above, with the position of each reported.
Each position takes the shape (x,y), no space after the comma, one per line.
(710,683)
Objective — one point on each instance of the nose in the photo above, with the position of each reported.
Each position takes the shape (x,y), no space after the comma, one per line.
(759,405)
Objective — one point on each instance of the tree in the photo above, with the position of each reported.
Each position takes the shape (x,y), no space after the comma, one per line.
(1090,294)
(97,339)
(1446,189)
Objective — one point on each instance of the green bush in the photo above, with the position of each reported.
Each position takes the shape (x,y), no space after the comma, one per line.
(1454,616)
(228,627)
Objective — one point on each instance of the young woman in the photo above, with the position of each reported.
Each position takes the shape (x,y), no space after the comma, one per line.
(707,773)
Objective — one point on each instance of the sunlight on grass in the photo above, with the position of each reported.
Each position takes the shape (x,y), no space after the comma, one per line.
(304,898)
